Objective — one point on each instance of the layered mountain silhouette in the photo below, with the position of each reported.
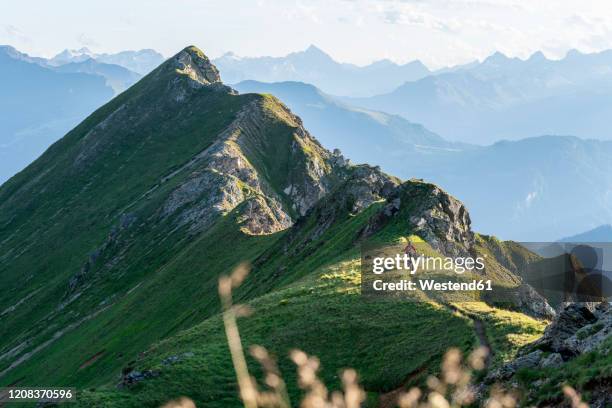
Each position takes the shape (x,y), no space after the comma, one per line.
(141,62)
(39,105)
(117,77)
(509,98)
(42,99)
(114,239)
(363,135)
(603,233)
(316,67)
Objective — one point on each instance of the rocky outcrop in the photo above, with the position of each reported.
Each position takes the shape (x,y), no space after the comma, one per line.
(437,217)
(578,328)
(221,178)
(193,63)
(312,173)
(262,216)
(362,186)
(532,303)
(236,168)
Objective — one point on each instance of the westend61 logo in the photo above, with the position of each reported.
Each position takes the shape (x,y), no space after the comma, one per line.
(554,272)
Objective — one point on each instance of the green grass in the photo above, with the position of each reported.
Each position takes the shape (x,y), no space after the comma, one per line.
(322,314)
(506,330)
(586,373)
(318,308)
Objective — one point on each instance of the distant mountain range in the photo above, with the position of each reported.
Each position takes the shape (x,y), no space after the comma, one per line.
(537,188)
(141,62)
(316,67)
(38,105)
(603,233)
(480,102)
(117,77)
(509,98)
(554,185)
(44,98)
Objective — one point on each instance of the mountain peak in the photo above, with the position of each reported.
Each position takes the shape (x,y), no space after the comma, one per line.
(314,53)
(573,53)
(313,49)
(538,56)
(496,58)
(194,63)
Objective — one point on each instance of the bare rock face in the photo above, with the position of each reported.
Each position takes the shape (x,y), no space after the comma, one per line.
(311,181)
(361,187)
(533,303)
(578,328)
(193,63)
(221,179)
(224,176)
(368,185)
(436,216)
(188,71)
(263,216)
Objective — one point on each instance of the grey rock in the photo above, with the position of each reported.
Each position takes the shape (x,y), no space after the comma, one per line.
(505,372)
(533,303)
(134,377)
(197,66)
(436,216)
(565,325)
(552,360)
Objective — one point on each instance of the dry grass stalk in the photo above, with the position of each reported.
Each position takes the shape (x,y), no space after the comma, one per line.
(574,397)
(316,393)
(182,402)
(248,391)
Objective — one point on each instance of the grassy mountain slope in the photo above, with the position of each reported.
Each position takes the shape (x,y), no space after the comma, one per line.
(323,313)
(130,195)
(113,241)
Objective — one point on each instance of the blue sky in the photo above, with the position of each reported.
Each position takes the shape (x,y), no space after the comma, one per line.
(438,32)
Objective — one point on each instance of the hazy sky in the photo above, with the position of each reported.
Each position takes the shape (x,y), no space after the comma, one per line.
(439,32)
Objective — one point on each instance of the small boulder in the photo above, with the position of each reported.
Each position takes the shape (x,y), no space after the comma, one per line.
(552,360)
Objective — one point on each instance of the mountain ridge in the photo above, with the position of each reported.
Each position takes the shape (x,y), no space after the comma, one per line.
(535,208)
(114,240)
